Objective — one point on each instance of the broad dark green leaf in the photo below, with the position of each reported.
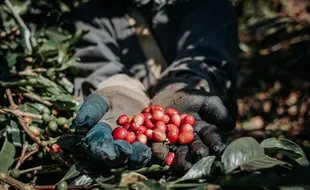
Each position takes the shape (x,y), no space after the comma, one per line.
(247,155)
(200,169)
(240,151)
(287,148)
(261,163)
(6,155)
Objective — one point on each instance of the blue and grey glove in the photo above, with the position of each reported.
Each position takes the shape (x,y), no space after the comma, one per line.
(118,95)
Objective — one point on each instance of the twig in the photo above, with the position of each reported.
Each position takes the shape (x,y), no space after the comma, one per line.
(38,99)
(31,169)
(27,153)
(20,113)
(27,130)
(51,187)
(15,183)
(10,97)
(20,161)
(21,24)
(32,72)
(284,44)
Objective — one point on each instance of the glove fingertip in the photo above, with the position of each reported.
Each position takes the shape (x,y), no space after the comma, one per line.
(140,157)
(91,111)
(123,147)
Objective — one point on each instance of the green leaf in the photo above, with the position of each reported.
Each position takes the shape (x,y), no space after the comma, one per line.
(285,147)
(6,155)
(261,163)
(75,170)
(246,154)
(15,134)
(200,169)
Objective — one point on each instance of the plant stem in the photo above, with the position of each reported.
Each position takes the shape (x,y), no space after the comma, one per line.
(22,156)
(186,185)
(21,113)
(32,72)
(4,178)
(36,98)
(31,169)
(21,23)
(52,187)
(10,98)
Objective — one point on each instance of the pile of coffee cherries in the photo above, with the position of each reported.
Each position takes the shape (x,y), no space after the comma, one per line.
(155,124)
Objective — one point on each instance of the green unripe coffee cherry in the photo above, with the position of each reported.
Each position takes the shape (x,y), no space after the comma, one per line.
(62,185)
(46,110)
(52,125)
(15,173)
(61,121)
(46,117)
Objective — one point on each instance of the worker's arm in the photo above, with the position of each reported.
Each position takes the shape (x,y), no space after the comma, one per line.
(202,79)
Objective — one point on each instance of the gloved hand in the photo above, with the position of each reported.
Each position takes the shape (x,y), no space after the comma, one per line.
(118,95)
(212,118)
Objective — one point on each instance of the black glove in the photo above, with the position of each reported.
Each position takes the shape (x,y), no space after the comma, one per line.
(212,118)
(118,95)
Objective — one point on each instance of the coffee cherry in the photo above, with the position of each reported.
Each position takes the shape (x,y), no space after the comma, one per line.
(176,120)
(149,124)
(147,115)
(62,185)
(149,134)
(172,128)
(166,119)
(157,107)
(126,126)
(146,110)
(172,111)
(141,138)
(159,135)
(141,130)
(46,111)
(172,137)
(139,119)
(160,125)
(134,127)
(35,130)
(119,133)
(170,159)
(186,127)
(52,125)
(131,137)
(55,148)
(28,120)
(61,121)
(122,120)
(15,173)
(46,117)
(186,137)
(183,115)
(188,120)
(157,115)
